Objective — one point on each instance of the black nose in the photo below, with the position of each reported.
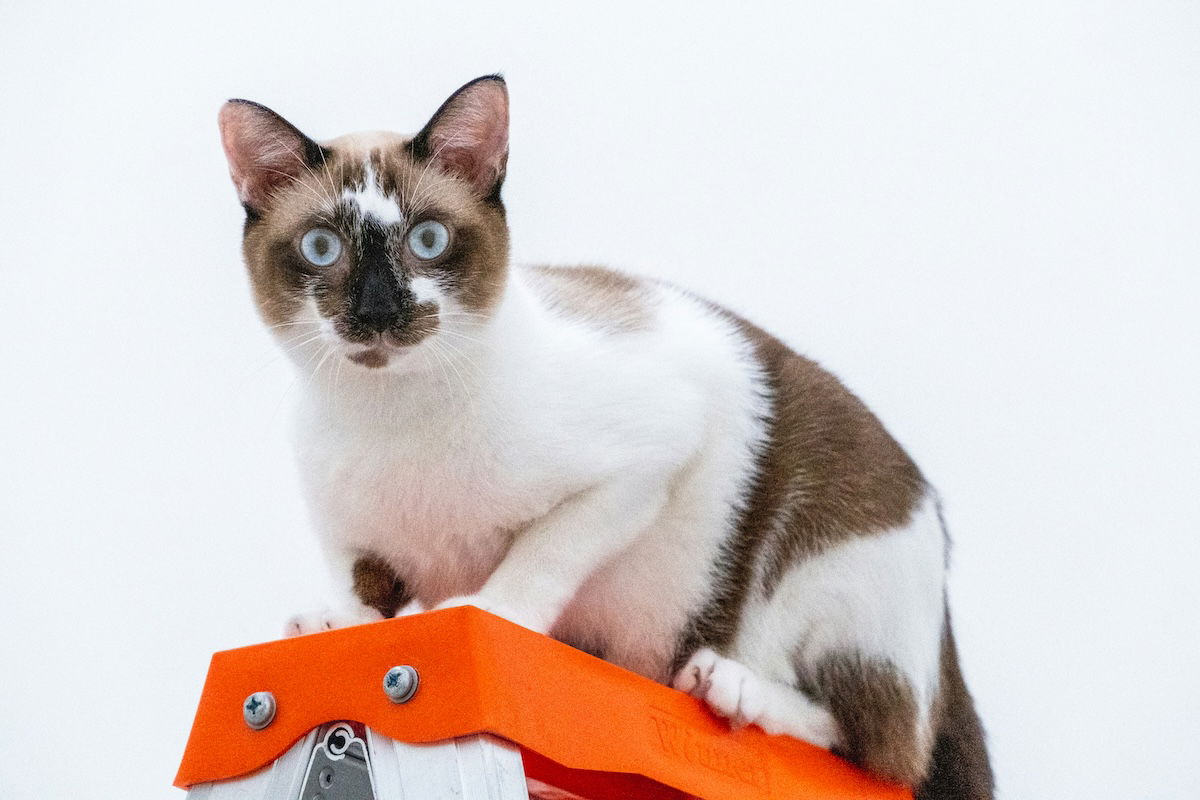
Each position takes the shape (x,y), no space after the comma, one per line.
(379,303)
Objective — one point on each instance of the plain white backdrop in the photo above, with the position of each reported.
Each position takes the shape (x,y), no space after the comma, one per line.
(983,217)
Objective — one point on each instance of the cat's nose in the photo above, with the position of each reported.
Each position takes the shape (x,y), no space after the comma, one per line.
(378,316)
(379,304)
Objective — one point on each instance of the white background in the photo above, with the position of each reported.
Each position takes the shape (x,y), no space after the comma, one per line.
(982,217)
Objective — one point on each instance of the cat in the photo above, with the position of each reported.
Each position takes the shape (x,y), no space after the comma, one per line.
(609,460)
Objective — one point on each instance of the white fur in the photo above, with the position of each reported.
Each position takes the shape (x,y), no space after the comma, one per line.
(880,596)
(426,290)
(371,200)
(579,480)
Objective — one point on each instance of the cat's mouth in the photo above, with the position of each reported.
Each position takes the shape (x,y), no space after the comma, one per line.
(375,349)
(378,351)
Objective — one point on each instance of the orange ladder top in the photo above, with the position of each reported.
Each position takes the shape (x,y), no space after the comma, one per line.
(582,724)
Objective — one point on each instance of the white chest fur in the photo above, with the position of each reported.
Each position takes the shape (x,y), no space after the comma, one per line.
(430,490)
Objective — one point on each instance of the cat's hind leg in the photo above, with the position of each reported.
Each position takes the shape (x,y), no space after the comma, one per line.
(733,691)
(857,629)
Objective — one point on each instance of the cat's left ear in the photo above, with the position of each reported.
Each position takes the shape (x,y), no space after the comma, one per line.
(468,136)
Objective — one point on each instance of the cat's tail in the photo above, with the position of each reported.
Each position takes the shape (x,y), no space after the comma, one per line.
(959,769)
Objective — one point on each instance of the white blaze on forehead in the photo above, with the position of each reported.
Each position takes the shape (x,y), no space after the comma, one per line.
(371,200)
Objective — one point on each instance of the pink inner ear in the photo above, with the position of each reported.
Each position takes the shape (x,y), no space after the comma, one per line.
(470,136)
(263,150)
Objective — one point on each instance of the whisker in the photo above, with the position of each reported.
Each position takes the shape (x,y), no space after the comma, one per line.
(299,322)
(295,181)
(333,192)
(482,342)
(416,197)
(328,352)
(441,364)
(464,314)
(328,200)
(331,393)
(288,347)
(461,380)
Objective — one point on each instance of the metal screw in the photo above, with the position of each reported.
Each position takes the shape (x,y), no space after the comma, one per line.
(258,710)
(400,683)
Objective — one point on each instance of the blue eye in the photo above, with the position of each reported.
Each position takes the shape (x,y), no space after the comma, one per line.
(321,247)
(428,239)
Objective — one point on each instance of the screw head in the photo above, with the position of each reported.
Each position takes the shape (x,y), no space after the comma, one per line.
(400,683)
(259,710)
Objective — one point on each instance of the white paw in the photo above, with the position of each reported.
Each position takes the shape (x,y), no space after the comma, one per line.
(729,688)
(499,609)
(410,608)
(329,619)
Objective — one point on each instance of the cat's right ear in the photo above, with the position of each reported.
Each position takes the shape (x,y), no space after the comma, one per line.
(265,152)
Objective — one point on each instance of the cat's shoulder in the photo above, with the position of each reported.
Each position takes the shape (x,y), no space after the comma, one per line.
(599,297)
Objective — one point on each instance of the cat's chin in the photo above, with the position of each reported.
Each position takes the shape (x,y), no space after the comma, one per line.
(373,358)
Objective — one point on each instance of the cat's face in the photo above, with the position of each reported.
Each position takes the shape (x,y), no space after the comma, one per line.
(372,247)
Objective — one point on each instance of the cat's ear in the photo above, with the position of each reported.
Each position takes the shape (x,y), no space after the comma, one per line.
(468,136)
(265,151)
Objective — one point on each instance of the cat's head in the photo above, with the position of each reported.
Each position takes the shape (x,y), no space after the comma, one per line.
(374,245)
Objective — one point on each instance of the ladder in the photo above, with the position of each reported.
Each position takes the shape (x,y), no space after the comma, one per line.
(463,704)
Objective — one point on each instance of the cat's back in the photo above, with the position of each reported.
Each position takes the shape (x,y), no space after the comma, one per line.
(818,442)
(628,348)
(677,338)
(600,298)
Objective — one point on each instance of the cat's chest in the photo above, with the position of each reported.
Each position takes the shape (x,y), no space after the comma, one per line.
(434,501)
(403,480)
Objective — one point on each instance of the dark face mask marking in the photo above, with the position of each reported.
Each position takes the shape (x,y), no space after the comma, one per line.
(378,301)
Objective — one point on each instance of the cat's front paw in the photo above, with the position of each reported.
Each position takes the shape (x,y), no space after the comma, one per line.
(729,688)
(524,619)
(329,619)
(410,608)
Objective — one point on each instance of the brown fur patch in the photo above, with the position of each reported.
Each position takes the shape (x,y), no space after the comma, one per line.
(603,298)
(877,713)
(959,769)
(829,471)
(377,586)
(372,359)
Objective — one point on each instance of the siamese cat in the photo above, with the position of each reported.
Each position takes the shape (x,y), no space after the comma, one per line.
(606,459)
